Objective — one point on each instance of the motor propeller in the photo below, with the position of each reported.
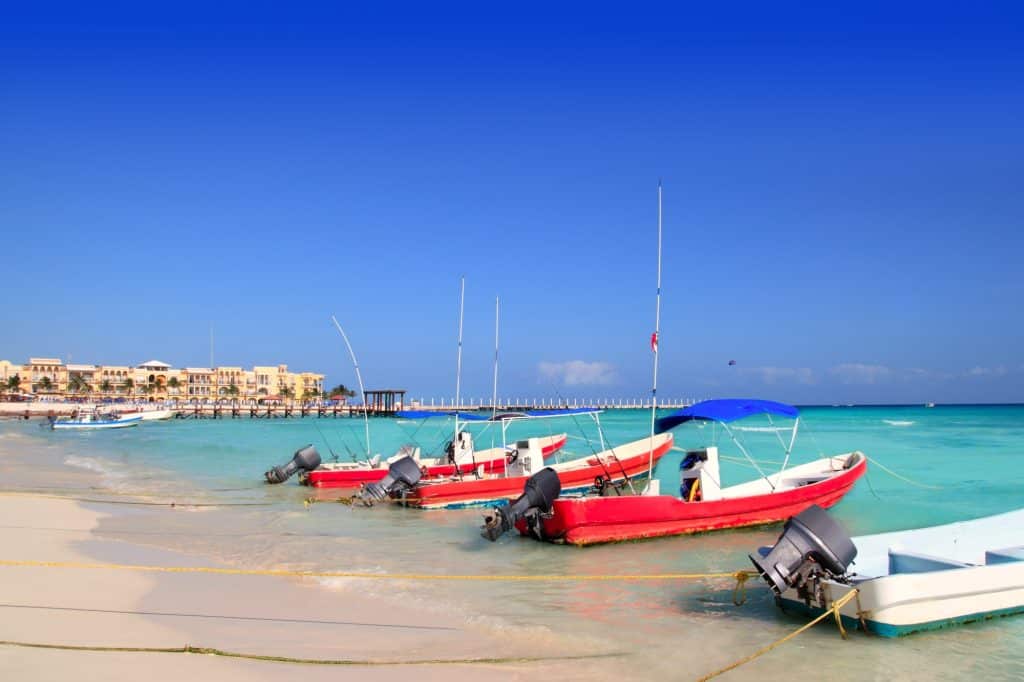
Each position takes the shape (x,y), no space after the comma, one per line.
(539,493)
(403,475)
(304,459)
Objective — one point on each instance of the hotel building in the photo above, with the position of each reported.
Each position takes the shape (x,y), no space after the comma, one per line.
(155,380)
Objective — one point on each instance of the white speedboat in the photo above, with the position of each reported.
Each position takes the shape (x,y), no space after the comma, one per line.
(94,419)
(906,581)
(156,415)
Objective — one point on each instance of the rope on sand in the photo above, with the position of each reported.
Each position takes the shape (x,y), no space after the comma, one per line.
(740,576)
(209,651)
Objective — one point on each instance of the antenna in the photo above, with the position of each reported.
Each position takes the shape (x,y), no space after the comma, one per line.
(458,366)
(494,395)
(654,347)
(359,376)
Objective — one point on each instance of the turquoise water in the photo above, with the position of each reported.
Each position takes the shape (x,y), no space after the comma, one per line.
(963,462)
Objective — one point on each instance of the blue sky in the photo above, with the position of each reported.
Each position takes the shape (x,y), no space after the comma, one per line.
(842,194)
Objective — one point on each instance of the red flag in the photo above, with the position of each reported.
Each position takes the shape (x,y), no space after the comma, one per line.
(654,342)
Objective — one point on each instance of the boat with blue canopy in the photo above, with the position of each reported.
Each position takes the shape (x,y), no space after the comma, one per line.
(703,503)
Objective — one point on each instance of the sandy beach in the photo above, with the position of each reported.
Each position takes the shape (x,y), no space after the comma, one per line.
(261,615)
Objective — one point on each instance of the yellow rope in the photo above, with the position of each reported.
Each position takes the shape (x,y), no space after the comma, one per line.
(832,610)
(739,576)
(209,651)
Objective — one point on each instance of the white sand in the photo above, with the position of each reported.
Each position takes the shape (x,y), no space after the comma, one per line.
(77,607)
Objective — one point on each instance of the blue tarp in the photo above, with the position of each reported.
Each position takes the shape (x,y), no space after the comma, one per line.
(725,410)
(483,416)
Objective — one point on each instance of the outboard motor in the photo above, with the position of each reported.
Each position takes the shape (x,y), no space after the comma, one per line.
(812,546)
(402,475)
(305,459)
(540,492)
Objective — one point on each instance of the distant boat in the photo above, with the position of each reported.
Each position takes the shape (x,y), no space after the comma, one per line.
(94,419)
(929,404)
(156,415)
(906,581)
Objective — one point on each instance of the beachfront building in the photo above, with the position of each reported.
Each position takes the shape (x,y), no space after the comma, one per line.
(158,381)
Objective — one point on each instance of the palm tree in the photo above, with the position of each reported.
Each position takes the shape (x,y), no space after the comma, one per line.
(14,383)
(106,386)
(129,385)
(173,383)
(45,384)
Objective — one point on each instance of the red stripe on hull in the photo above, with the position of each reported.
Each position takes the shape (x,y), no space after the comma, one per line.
(593,520)
(340,478)
(478,491)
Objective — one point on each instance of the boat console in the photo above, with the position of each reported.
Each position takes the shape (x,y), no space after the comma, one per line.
(698,476)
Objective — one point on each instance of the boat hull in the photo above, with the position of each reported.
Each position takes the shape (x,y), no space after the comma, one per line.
(97,425)
(354,477)
(575,476)
(899,605)
(595,520)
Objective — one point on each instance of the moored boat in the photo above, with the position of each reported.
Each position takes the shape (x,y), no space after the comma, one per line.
(612,467)
(702,504)
(905,581)
(461,460)
(94,420)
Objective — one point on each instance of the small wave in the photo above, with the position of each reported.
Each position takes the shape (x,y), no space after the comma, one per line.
(90,464)
(763,429)
(898,422)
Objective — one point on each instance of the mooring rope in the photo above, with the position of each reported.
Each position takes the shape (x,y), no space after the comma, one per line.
(832,610)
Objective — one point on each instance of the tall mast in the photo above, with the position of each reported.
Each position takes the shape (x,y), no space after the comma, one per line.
(359,376)
(494,394)
(654,347)
(458,365)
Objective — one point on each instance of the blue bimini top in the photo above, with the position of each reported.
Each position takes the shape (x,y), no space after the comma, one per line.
(725,410)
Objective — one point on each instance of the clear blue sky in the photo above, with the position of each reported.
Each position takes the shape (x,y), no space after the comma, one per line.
(843,204)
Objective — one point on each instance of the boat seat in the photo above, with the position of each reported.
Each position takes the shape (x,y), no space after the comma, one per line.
(912,562)
(1004,556)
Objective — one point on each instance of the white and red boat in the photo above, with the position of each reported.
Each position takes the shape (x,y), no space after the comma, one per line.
(614,466)
(464,461)
(703,504)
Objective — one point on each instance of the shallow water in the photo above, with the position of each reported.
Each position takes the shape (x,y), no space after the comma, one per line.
(962,462)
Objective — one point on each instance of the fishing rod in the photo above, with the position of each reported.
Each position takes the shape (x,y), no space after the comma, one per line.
(326,442)
(359,376)
(600,460)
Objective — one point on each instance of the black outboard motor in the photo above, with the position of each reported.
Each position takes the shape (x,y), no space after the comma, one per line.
(305,459)
(812,545)
(402,475)
(539,493)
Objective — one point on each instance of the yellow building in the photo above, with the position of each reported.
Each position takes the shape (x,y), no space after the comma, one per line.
(156,380)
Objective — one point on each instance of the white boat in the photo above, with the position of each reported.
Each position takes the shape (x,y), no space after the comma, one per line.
(906,581)
(156,415)
(94,419)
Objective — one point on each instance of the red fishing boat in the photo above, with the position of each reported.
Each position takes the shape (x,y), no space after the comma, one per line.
(615,466)
(702,504)
(463,461)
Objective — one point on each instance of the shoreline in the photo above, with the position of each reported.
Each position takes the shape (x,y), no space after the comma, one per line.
(260,615)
